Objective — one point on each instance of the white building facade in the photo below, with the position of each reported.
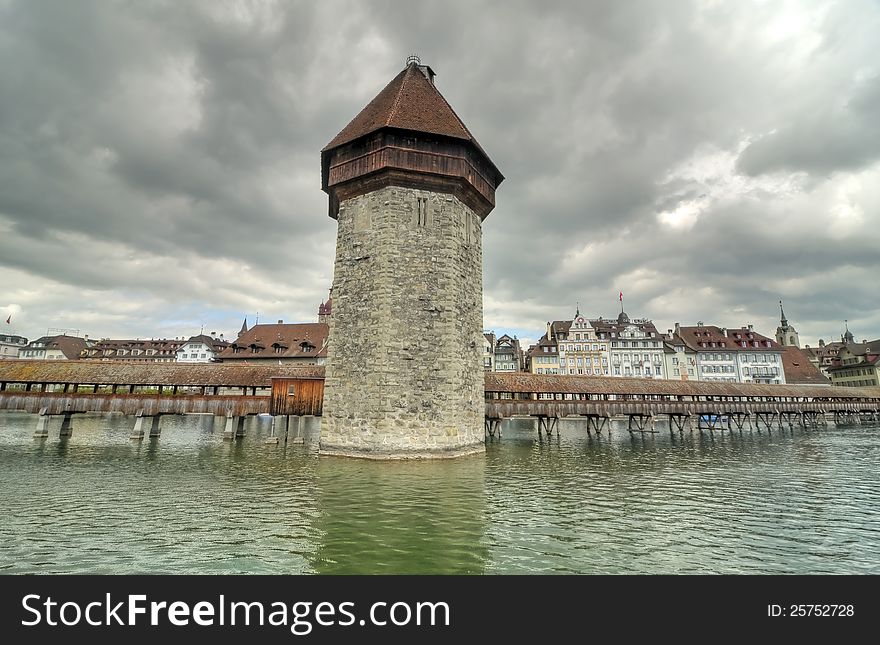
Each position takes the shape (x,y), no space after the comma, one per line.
(10,345)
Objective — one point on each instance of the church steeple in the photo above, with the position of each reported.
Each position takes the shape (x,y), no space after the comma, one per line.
(786,335)
(848,336)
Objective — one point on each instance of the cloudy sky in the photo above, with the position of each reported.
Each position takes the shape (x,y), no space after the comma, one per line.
(160,169)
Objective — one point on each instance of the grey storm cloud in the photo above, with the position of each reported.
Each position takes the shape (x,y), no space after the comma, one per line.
(159,162)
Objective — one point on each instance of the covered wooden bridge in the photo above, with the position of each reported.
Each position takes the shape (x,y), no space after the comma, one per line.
(291,394)
(149,391)
(680,404)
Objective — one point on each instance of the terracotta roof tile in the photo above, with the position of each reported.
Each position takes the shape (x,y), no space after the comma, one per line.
(732,340)
(409,102)
(799,370)
(279,341)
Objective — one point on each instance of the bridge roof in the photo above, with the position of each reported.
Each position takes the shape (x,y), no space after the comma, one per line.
(559,384)
(117,373)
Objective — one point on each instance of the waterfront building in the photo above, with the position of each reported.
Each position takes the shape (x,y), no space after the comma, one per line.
(508,355)
(825,356)
(799,369)
(543,356)
(859,365)
(54,348)
(10,345)
(733,355)
(680,360)
(786,335)
(409,187)
(138,350)
(581,351)
(635,347)
(201,349)
(489,351)
(281,343)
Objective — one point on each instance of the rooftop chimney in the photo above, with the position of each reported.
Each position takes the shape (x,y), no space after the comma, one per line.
(424,69)
(751,328)
(280,322)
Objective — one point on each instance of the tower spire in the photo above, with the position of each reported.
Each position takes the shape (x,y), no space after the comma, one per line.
(848,336)
(782,315)
(577,310)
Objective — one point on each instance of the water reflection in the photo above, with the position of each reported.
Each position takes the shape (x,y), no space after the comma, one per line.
(799,501)
(394,518)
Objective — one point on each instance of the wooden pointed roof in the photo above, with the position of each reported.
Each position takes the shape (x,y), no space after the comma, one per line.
(409,102)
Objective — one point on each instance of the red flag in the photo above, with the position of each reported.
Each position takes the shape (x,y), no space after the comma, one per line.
(9,320)
(621,296)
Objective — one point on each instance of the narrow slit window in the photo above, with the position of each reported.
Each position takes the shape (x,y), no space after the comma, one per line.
(422,204)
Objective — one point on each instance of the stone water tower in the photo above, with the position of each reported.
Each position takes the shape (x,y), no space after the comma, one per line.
(409,186)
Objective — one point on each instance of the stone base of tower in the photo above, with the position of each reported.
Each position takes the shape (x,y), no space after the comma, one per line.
(421,453)
(404,374)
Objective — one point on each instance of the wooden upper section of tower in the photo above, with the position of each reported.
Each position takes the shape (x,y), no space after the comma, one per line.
(409,136)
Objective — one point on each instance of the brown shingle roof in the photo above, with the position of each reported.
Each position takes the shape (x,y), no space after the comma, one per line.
(70,346)
(799,370)
(288,337)
(708,334)
(409,102)
(523,382)
(195,374)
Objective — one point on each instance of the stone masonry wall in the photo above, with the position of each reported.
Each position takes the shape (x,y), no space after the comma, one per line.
(404,375)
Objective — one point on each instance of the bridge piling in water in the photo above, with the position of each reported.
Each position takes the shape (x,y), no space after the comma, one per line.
(548,424)
(154,427)
(295,429)
(42,431)
(66,425)
(234,427)
(279,428)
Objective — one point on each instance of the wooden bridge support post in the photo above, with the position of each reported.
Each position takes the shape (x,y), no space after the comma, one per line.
(154,426)
(295,429)
(66,425)
(230,428)
(239,427)
(137,433)
(42,431)
(279,428)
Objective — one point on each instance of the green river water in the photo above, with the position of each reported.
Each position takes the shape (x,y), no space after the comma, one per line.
(801,501)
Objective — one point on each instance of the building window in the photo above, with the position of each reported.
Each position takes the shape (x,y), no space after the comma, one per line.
(422,208)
